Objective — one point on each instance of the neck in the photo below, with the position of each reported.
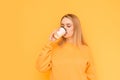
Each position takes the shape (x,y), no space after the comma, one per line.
(69,40)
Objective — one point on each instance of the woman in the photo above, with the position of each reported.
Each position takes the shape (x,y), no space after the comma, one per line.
(67,58)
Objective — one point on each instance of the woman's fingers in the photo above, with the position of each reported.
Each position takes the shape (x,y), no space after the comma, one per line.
(52,38)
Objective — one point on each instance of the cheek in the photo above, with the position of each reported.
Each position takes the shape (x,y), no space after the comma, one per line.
(70,32)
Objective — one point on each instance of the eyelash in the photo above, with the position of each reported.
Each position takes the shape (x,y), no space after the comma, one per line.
(68,26)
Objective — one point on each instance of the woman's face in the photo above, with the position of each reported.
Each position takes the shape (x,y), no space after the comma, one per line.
(68,25)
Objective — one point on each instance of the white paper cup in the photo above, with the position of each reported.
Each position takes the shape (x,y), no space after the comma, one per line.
(60,33)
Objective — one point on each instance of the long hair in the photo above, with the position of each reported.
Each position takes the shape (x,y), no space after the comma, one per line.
(77,35)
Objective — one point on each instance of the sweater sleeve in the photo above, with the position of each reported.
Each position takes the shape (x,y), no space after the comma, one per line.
(44,59)
(90,70)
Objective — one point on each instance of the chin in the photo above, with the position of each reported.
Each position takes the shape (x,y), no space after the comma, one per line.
(66,36)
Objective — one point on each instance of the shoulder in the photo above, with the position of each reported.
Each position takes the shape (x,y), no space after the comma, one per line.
(85,48)
(87,51)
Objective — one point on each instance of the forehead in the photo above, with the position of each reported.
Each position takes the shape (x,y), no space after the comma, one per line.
(66,20)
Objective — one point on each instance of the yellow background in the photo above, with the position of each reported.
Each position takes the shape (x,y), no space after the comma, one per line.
(25,26)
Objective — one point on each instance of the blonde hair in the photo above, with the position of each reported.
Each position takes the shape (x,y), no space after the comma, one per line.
(77,35)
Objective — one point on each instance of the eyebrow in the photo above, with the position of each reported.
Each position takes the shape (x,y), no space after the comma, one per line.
(67,24)
(62,24)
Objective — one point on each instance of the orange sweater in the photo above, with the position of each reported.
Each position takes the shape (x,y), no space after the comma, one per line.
(66,62)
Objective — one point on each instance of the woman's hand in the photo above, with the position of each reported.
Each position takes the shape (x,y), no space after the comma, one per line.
(52,38)
(57,33)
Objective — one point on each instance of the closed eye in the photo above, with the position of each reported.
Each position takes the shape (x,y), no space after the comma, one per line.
(68,26)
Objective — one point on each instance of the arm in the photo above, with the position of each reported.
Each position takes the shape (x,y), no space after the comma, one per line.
(90,70)
(44,62)
(44,59)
